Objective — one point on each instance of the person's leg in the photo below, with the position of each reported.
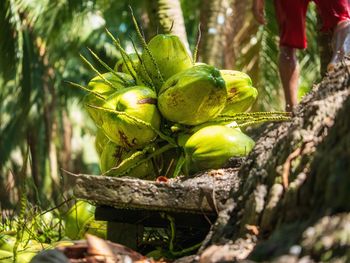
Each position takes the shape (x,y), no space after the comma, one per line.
(340,43)
(336,17)
(291,16)
(289,73)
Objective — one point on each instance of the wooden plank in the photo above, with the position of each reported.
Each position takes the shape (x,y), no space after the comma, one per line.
(202,194)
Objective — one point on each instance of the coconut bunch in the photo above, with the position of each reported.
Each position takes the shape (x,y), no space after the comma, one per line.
(158,112)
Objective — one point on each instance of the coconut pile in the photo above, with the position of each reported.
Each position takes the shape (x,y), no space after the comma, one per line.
(158,112)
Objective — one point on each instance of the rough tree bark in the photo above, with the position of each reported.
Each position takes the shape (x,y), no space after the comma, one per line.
(293,202)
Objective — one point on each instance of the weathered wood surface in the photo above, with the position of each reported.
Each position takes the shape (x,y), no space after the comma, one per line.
(203,194)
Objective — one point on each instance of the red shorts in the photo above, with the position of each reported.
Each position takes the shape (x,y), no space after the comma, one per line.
(291,15)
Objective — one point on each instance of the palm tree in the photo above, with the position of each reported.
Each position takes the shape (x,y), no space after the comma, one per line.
(214,20)
(39,49)
(166,16)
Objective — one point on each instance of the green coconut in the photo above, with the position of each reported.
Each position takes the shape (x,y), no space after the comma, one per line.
(121,66)
(136,117)
(212,146)
(7,242)
(170,55)
(7,256)
(98,85)
(193,96)
(80,219)
(114,155)
(240,91)
(23,255)
(100,141)
(183,136)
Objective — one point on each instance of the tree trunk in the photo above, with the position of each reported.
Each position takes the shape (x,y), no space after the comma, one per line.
(51,183)
(226,25)
(214,21)
(166,16)
(237,30)
(293,202)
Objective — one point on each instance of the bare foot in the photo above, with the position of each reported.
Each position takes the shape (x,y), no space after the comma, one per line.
(340,44)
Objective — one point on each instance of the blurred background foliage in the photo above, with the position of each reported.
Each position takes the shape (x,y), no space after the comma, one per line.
(40,43)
